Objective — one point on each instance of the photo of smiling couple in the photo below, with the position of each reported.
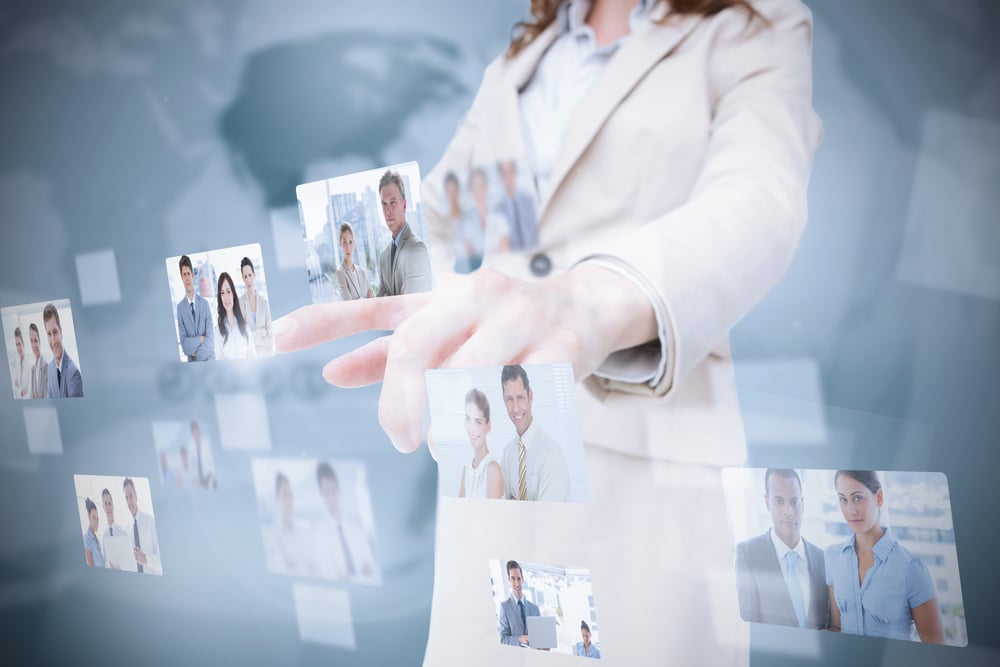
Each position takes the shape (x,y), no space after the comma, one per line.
(535,453)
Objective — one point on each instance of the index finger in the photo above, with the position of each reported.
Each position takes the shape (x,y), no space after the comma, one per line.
(322,322)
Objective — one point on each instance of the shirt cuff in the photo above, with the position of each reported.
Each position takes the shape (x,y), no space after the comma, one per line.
(650,362)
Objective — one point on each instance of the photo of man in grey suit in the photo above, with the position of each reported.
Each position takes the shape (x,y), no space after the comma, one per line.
(405,265)
(64,379)
(780,577)
(194,318)
(515,610)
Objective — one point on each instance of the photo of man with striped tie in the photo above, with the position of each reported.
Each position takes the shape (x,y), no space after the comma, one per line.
(534,465)
(780,577)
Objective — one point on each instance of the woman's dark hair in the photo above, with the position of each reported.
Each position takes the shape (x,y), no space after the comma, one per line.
(237,311)
(90,505)
(544,12)
(246,262)
(584,626)
(450,177)
(866,477)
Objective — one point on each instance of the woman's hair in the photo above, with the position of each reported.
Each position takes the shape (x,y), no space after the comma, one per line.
(584,626)
(544,12)
(237,311)
(344,227)
(246,262)
(478,398)
(90,505)
(450,177)
(866,477)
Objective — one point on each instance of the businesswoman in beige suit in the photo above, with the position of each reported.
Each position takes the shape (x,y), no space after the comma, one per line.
(671,146)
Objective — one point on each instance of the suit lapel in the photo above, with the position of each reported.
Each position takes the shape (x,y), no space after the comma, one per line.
(404,233)
(648,44)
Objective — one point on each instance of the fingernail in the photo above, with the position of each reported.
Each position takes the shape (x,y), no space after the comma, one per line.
(282,327)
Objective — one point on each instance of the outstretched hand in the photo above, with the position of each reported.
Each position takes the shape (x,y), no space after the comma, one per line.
(482,319)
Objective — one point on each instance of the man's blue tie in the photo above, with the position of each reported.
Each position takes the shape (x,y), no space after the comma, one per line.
(795,589)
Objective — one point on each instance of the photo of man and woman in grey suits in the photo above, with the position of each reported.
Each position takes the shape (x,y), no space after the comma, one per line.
(41,350)
(364,234)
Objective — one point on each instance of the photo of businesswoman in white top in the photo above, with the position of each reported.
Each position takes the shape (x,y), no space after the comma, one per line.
(234,338)
(481,477)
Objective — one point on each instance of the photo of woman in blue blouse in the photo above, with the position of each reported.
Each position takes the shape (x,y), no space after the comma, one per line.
(878,588)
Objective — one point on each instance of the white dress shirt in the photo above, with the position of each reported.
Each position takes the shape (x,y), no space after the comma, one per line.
(112,531)
(571,66)
(23,378)
(547,474)
(329,557)
(801,569)
(149,544)
(237,346)
(207,460)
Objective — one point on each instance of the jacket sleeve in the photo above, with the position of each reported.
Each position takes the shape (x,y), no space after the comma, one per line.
(75,385)
(506,636)
(718,254)
(189,341)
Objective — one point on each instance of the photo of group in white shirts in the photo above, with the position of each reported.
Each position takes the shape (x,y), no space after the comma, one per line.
(316,519)
(118,524)
(184,455)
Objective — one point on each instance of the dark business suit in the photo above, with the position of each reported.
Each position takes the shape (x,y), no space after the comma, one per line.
(67,382)
(511,627)
(409,271)
(522,220)
(763,594)
(191,329)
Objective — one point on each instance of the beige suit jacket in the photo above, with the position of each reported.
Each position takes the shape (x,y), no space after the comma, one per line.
(410,271)
(687,163)
(686,168)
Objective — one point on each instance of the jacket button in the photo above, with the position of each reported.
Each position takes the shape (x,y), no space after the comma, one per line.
(540,265)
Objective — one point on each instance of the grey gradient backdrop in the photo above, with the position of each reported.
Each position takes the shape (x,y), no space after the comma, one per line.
(158,126)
